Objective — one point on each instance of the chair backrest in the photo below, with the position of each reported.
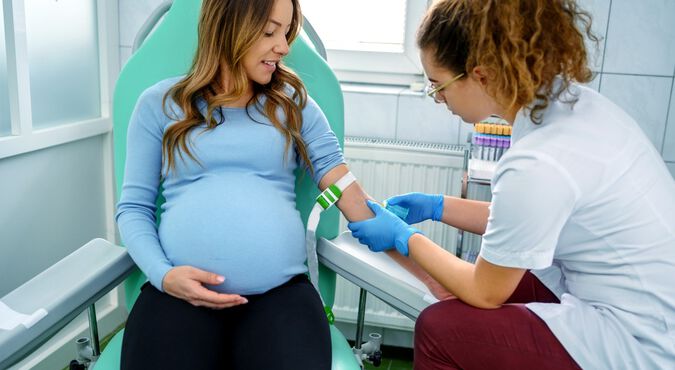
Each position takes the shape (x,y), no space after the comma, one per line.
(168,52)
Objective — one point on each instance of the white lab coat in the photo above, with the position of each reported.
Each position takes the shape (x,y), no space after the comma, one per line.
(586,202)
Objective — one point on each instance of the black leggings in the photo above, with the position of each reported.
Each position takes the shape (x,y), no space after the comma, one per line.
(284,328)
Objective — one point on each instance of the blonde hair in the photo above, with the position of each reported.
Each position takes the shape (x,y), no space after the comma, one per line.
(227,30)
(522,44)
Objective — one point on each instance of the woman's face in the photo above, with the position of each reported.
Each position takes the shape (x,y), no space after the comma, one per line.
(465,97)
(261,60)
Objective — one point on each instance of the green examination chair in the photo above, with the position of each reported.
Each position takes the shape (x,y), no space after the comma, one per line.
(168,52)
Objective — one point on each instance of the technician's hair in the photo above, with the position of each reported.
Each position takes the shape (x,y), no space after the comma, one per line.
(227,31)
(522,45)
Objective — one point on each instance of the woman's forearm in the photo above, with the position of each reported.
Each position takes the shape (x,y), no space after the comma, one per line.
(438,290)
(352,204)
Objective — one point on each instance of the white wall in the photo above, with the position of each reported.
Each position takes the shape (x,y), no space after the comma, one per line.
(54,204)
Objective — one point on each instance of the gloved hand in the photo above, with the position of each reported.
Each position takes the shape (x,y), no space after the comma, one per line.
(421,207)
(384,231)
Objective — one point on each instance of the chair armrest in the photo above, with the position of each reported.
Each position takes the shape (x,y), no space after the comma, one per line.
(375,272)
(64,290)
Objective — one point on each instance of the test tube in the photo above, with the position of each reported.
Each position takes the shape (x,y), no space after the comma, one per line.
(501,143)
(493,148)
(475,149)
(399,211)
(483,149)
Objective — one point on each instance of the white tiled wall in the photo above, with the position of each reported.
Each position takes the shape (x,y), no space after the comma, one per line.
(376,111)
(639,67)
(600,12)
(635,63)
(595,82)
(641,37)
(419,118)
(644,97)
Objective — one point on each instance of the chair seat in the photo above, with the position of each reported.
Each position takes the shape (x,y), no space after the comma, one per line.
(110,358)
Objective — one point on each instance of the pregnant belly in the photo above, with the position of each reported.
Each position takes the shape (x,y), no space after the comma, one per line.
(244,229)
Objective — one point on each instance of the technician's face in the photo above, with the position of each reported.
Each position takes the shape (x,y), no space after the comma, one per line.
(261,60)
(465,97)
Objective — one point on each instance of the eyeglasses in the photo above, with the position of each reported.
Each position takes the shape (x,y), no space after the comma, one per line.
(432,90)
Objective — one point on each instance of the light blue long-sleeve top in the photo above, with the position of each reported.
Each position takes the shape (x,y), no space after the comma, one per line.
(234,214)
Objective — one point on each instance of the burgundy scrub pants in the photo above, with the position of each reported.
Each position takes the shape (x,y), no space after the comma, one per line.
(454,335)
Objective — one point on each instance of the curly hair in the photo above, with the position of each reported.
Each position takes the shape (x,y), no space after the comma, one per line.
(524,45)
(227,30)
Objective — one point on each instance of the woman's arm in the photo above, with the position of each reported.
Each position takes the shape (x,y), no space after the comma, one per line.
(434,286)
(353,205)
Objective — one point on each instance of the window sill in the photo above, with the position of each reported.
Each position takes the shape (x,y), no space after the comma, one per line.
(379,89)
(45,138)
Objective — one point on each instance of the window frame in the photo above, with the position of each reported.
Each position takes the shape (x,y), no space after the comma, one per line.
(384,67)
(23,137)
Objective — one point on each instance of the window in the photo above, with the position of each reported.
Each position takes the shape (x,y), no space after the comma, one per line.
(63,62)
(369,40)
(58,61)
(383,32)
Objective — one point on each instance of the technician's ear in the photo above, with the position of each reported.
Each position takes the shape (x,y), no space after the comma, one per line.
(480,74)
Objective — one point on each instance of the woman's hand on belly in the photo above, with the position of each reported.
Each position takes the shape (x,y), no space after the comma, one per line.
(186,283)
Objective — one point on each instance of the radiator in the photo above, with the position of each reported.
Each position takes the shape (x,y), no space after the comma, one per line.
(386,168)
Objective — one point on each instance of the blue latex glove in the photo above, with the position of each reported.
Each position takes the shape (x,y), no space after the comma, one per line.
(384,231)
(421,207)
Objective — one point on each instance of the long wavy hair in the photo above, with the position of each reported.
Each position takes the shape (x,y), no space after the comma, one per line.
(523,45)
(227,31)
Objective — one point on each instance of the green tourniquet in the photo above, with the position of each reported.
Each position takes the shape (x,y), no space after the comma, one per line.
(329,196)
(335,191)
(323,202)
